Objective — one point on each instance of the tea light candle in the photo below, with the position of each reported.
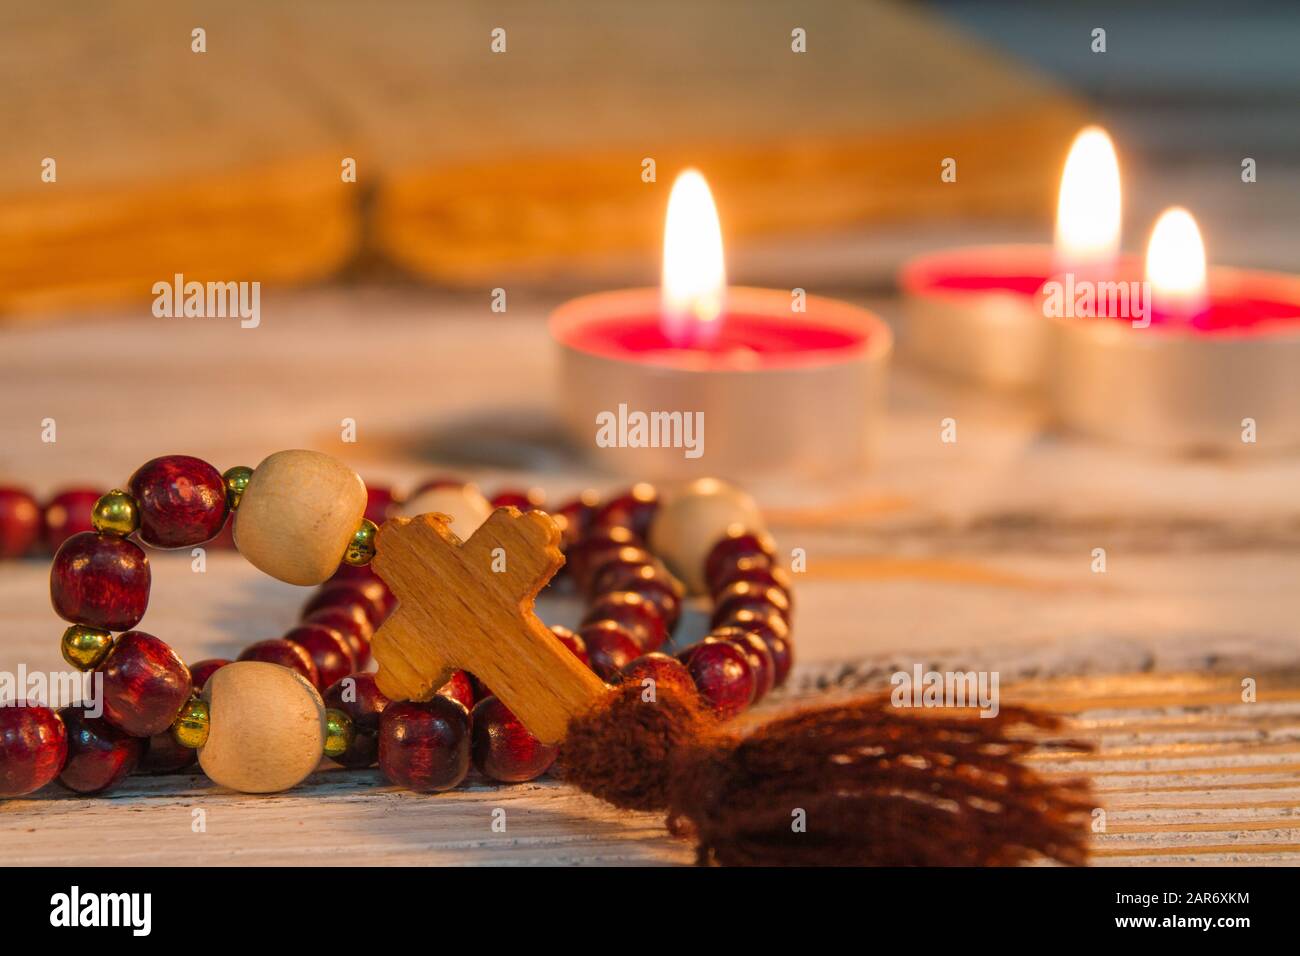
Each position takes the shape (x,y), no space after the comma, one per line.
(973,313)
(698,378)
(1214,367)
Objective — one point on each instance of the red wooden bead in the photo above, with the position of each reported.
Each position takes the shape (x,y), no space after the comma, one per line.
(360,651)
(610,648)
(586,556)
(371,596)
(100,581)
(329,651)
(424,745)
(387,600)
(350,573)
(145,684)
(379,502)
(99,754)
(503,748)
(782,656)
(68,513)
(529,500)
(481,690)
(756,569)
(760,657)
(634,509)
(286,654)
(376,596)
(460,689)
(722,675)
(182,501)
(576,517)
(359,697)
(33,747)
(20,522)
(651,581)
(638,616)
(202,670)
(733,547)
(666,597)
(162,754)
(747,595)
(351,621)
(576,645)
(346,600)
(607,564)
(665,671)
(764,620)
(775,633)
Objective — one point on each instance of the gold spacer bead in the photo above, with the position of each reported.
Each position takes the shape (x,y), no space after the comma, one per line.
(85,647)
(190,728)
(362,546)
(338,732)
(236,480)
(115,513)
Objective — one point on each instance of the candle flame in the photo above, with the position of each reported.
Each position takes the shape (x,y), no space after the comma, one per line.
(1176,262)
(694,278)
(1088,206)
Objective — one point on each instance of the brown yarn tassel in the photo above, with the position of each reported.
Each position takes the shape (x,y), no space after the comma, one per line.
(878,786)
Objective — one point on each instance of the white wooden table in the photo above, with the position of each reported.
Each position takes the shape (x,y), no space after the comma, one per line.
(969,555)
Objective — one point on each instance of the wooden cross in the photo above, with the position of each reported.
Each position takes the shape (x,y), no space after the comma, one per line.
(470,606)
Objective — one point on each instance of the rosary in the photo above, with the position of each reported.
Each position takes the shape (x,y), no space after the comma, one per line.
(467,673)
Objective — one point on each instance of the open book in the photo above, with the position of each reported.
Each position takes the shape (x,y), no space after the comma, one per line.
(128,157)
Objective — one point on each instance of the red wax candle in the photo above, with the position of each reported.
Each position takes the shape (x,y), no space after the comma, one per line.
(1176,356)
(699,378)
(973,313)
(774,391)
(626,327)
(1223,377)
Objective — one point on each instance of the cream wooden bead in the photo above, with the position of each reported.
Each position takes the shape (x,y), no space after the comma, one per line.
(464,505)
(267,727)
(297,515)
(691,521)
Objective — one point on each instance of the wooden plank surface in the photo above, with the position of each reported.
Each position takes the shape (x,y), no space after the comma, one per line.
(974,557)
(1184,771)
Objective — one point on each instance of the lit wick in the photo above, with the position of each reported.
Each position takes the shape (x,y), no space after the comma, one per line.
(1176,265)
(1088,207)
(694,287)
